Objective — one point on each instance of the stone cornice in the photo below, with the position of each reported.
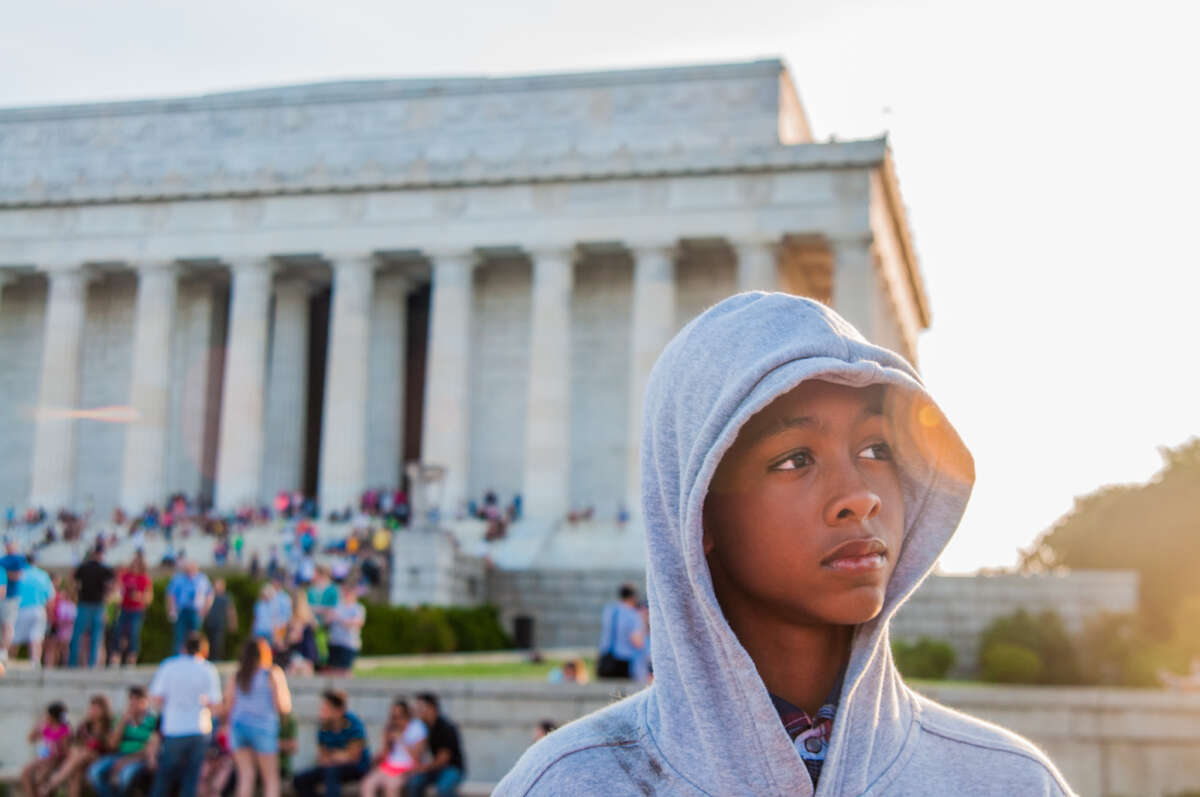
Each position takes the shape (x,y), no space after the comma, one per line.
(402,88)
(371,134)
(423,174)
(899,216)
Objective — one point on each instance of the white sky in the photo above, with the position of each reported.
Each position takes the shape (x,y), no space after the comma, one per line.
(1047,153)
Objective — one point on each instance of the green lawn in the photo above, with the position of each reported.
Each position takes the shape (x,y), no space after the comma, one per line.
(516,670)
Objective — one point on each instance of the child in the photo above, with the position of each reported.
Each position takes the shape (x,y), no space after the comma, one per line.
(88,743)
(798,483)
(51,736)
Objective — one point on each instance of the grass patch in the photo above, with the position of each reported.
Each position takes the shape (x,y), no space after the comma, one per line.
(505,670)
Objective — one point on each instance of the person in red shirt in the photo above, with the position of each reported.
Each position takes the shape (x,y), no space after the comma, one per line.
(137,590)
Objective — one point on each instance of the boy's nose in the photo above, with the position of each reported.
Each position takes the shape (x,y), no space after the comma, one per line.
(854,501)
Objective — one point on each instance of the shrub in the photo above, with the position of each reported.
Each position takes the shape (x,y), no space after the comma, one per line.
(1118,650)
(1005,662)
(1044,635)
(926,658)
(389,630)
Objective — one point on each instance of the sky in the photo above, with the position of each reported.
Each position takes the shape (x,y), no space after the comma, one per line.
(1047,154)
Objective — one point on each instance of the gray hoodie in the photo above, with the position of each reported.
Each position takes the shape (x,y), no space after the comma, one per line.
(707,725)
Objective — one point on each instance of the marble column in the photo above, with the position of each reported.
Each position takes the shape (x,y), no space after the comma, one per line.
(52,485)
(6,278)
(287,387)
(757,265)
(240,439)
(855,293)
(546,482)
(385,405)
(143,475)
(653,323)
(446,420)
(343,473)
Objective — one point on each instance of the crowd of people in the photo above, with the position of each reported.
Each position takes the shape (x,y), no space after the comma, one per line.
(189,733)
(95,616)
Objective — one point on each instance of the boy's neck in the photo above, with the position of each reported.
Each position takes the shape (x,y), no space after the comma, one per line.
(797,662)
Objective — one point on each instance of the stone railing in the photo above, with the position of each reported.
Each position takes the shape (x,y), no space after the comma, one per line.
(1105,741)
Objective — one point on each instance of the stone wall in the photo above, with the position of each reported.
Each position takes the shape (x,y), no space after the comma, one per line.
(428,567)
(1107,742)
(957,608)
(565,605)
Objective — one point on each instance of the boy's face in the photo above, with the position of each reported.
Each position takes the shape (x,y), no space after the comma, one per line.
(804,518)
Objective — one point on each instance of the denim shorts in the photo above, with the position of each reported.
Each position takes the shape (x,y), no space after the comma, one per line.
(260,740)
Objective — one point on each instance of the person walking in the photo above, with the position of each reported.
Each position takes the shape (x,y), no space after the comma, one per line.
(300,639)
(93,579)
(60,614)
(137,591)
(446,770)
(187,686)
(189,597)
(256,696)
(35,592)
(11,564)
(221,620)
(622,636)
(345,629)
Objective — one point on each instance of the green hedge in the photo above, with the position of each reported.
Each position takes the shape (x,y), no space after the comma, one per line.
(431,629)
(925,658)
(1008,663)
(389,630)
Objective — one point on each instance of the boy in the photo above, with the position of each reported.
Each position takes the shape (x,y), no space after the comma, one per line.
(797,485)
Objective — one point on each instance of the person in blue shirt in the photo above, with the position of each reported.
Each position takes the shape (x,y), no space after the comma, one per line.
(622,637)
(342,752)
(189,597)
(11,565)
(34,592)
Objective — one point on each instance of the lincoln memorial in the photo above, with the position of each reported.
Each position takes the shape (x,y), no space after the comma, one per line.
(306,287)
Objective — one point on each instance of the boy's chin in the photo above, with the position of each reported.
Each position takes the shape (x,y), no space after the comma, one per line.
(853,607)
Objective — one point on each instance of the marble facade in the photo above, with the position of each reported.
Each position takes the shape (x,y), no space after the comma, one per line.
(212,295)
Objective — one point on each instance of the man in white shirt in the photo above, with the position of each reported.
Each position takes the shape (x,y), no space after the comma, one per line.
(187,688)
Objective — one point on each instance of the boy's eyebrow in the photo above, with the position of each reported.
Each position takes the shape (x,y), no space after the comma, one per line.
(756,436)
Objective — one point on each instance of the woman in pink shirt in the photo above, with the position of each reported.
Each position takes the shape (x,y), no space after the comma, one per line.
(51,735)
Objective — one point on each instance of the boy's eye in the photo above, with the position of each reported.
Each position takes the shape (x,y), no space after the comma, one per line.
(880,451)
(794,461)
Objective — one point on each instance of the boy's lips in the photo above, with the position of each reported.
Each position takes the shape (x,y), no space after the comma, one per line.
(866,552)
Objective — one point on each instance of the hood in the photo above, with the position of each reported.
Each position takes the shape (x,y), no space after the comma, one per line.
(708,702)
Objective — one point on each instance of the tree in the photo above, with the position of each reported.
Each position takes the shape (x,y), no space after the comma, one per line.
(1153,528)
(1043,635)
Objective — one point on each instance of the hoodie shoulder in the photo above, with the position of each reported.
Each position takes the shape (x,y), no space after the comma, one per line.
(605,753)
(992,758)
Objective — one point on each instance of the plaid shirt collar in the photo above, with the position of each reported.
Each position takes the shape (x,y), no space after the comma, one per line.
(810,735)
